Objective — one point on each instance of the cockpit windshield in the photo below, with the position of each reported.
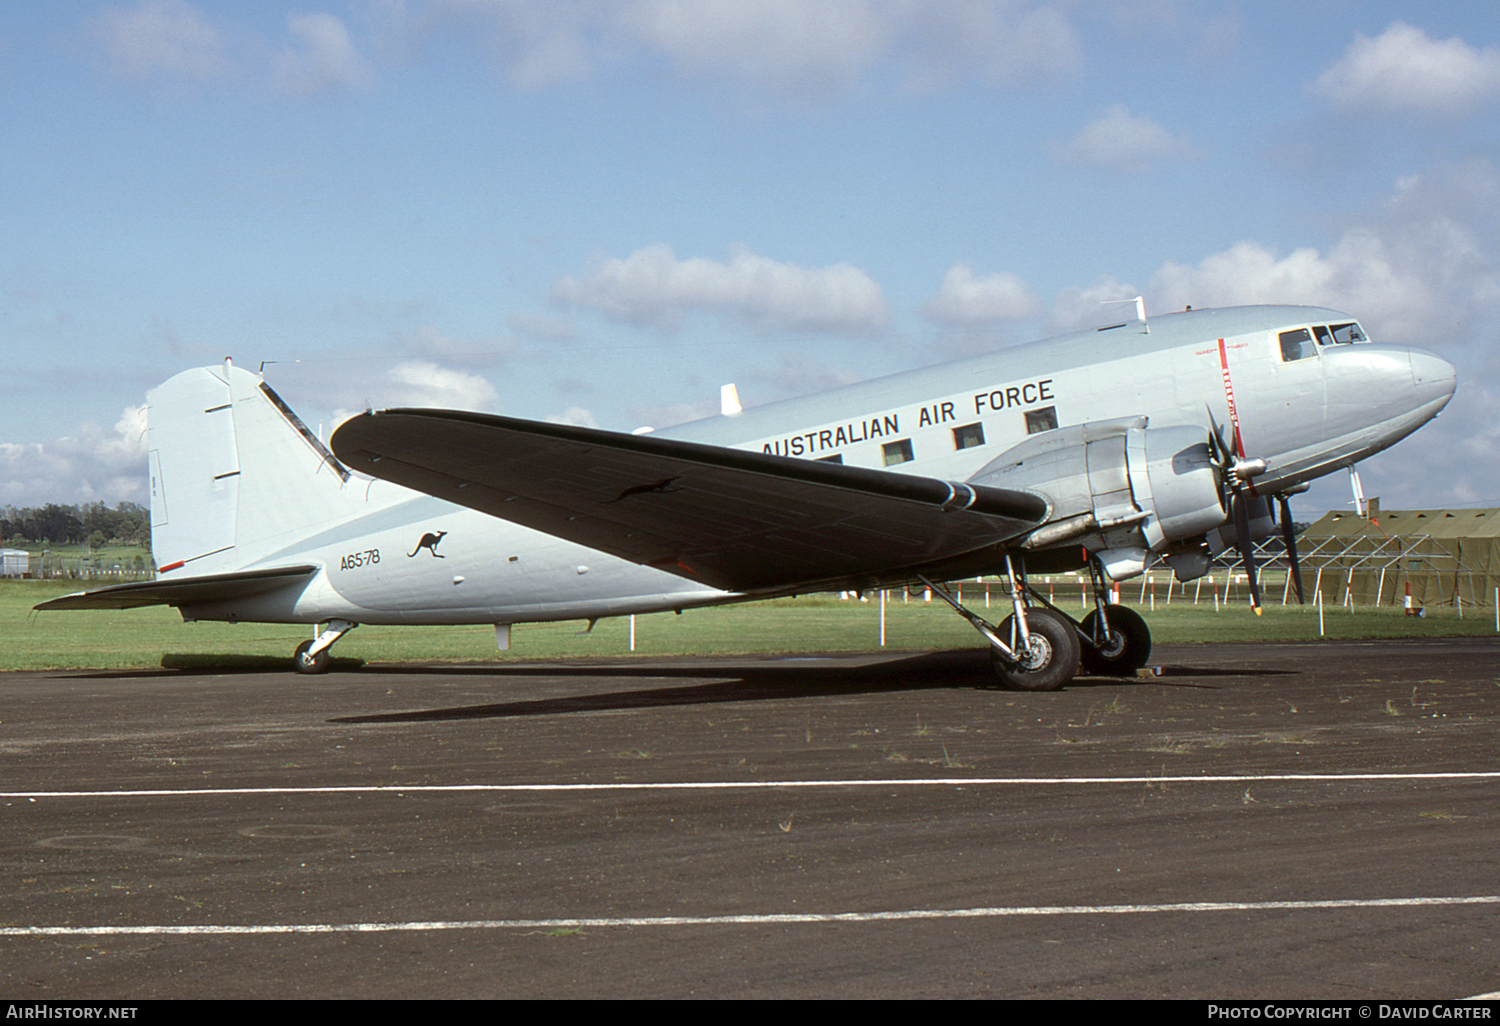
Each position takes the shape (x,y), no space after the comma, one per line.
(1344,333)
(1298,344)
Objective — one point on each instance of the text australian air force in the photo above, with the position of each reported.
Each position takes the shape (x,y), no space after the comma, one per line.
(888,425)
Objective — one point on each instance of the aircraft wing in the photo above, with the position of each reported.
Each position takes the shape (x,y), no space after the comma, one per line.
(736,520)
(186,591)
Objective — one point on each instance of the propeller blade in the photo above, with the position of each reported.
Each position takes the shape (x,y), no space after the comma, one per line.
(1247,548)
(1218,448)
(1289,535)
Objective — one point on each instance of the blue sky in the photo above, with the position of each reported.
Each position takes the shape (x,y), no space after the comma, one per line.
(601,211)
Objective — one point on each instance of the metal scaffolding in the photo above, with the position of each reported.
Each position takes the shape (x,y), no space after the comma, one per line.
(1438,557)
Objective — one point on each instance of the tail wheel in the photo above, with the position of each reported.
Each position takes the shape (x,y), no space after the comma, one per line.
(1126,645)
(305,663)
(1050,659)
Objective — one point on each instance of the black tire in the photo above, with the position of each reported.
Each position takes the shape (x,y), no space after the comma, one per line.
(1127,647)
(303,663)
(1052,659)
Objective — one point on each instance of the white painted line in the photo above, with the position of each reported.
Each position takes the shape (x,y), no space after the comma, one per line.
(731,785)
(751,920)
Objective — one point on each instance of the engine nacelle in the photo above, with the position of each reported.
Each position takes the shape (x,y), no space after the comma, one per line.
(1121,490)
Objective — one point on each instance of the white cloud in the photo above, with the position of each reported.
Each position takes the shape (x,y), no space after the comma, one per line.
(575,415)
(1122,141)
(161,39)
(1425,257)
(95,465)
(786,46)
(1360,274)
(1403,69)
(950,41)
(967,299)
(651,286)
(538,43)
(321,58)
(171,42)
(1092,305)
(423,384)
(1420,267)
(808,50)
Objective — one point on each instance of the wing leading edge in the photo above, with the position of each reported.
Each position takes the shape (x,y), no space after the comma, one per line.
(740,521)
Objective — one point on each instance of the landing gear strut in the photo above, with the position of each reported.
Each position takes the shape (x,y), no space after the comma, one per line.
(1047,661)
(1040,648)
(1116,641)
(312,656)
(1035,648)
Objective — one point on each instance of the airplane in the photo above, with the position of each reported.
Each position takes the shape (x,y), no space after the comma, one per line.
(1107,450)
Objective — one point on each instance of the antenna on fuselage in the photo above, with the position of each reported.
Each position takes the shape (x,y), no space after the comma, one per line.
(1140,311)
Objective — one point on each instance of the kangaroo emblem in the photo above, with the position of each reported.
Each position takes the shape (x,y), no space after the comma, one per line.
(429,542)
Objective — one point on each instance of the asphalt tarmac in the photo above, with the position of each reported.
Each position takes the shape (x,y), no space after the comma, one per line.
(1260,821)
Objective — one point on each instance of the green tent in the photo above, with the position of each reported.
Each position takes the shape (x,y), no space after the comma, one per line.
(1445,556)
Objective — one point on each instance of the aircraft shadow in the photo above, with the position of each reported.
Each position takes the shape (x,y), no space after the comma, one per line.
(781,678)
(217,664)
(960,669)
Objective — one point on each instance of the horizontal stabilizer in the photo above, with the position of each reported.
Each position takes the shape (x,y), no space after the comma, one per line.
(188,591)
(736,520)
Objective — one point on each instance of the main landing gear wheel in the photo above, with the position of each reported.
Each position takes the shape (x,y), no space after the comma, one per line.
(1126,647)
(1050,659)
(304,663)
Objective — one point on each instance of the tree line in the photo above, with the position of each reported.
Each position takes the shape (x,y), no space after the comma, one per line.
(92,524)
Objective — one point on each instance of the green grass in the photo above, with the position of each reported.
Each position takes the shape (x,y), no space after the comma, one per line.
(155,636)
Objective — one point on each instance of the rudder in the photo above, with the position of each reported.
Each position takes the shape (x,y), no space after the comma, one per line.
(235,475)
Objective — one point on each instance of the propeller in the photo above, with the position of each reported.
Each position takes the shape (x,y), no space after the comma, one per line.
(1247,547)
(1289,536)
(1235,472)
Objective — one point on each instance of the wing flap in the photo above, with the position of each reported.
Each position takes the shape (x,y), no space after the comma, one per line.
(188,591)
(742,521)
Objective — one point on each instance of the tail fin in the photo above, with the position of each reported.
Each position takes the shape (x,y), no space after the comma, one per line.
(235,476)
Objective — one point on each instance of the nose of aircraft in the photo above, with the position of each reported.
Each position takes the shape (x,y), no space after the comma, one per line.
(1433,377)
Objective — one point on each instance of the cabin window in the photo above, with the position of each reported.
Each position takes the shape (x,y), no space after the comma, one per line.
(897,452)
(837,457)
(1297,345)
(1044,419)
(968,436)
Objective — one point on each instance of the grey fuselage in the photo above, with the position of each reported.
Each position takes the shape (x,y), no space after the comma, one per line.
(1306,414)
(1308,417)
